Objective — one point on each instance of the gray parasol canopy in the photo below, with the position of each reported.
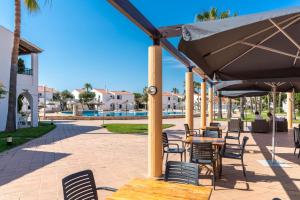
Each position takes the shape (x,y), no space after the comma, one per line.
(243,93)
(256,46)
(239,85)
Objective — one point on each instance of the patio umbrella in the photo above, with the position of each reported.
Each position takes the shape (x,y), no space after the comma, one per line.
(288,86)
(261,47)
(243,93)
(256,46)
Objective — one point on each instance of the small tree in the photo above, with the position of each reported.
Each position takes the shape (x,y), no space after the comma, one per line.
(63,97)
(175,90)
(2,92)
(21,66)
(138,99)
(145,96)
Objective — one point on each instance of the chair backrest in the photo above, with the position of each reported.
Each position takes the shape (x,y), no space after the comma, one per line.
(296,136)
(201,151)
(182,172)
(245,139)
(187,130)
(80,185)
(165,140)
(212,133)
(235,125)
(217,124)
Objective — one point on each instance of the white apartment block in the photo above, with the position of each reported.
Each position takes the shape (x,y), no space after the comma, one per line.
(172,101)
(27,78)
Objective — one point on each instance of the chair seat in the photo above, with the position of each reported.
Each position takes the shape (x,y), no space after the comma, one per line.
(232,137)
(202,161)
(231,155)
(175,150)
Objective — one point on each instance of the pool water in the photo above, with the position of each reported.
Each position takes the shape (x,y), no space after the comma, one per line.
(93,113)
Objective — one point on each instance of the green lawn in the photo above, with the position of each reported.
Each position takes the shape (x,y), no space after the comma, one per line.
(24,135)
(130,128)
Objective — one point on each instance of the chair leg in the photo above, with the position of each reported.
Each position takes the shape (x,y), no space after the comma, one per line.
(181,157)
(299,153)
(214,178)
(167,157)
(244,170)
(185,156)
(295,150)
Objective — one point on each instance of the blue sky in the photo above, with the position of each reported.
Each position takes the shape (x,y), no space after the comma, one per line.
(90,41)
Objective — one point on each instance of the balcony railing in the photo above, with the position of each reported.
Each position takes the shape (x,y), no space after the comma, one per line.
(26,71)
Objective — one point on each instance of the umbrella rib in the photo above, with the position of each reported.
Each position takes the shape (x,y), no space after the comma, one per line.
(285,34)
(267,38)
(295,60)
(269,49)
(259,32)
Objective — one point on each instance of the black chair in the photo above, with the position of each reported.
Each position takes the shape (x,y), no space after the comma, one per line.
(297,140)
(181,172)
(234,130)
(190,132)
(212,133)
(167,147)
(203,154)
(81,185)
(217,124)
(235,152)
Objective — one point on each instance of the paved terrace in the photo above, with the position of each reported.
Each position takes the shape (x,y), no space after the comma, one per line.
(34,171)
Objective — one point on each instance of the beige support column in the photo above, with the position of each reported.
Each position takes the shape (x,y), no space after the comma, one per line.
(210,104)
(289,110)
(155,112)
(189,98)
(203,103)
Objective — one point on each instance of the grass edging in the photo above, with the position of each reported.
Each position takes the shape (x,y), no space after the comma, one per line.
(131,128)
(23,135)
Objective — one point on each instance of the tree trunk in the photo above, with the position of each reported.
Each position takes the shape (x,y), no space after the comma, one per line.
(242,105)
(11,114)
(255,104)
(251,104)
(220,106)
(279,102)
(269,103)
(229,109)
(260,105)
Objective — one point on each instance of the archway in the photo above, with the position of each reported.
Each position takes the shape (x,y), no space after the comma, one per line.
(24,110)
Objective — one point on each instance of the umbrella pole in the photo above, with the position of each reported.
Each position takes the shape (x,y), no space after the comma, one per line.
(274,125)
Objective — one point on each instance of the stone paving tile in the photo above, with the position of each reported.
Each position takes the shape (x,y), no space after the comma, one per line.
(34,170)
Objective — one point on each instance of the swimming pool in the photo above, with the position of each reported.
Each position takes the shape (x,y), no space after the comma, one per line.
(94,113)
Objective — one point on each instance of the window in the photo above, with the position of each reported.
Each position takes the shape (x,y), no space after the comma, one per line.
(119,97)
(169,106)
(40,94)
(169,98)
(120,106)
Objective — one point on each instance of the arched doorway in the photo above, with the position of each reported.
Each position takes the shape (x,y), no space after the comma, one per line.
(24,110)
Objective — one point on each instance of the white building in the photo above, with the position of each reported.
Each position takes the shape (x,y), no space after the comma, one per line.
(46,98)
(171,101)
(27,79)
(111,100)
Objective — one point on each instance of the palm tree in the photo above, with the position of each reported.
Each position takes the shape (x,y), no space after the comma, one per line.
(88,87)
(214,14)
(175,90)
(32,6)
(197,88)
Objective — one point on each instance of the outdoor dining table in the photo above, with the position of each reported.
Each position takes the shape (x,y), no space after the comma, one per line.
(151,189)
(218,143)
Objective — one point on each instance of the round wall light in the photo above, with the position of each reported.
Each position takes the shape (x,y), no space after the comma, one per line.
(152,90)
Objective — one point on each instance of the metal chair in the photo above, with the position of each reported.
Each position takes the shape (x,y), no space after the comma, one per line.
(236,152)
(203,154)
(182,172)
(167,147)
(297,140)
(216,124)
(212,133)
(234,130)
(81,185)
(190,132)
